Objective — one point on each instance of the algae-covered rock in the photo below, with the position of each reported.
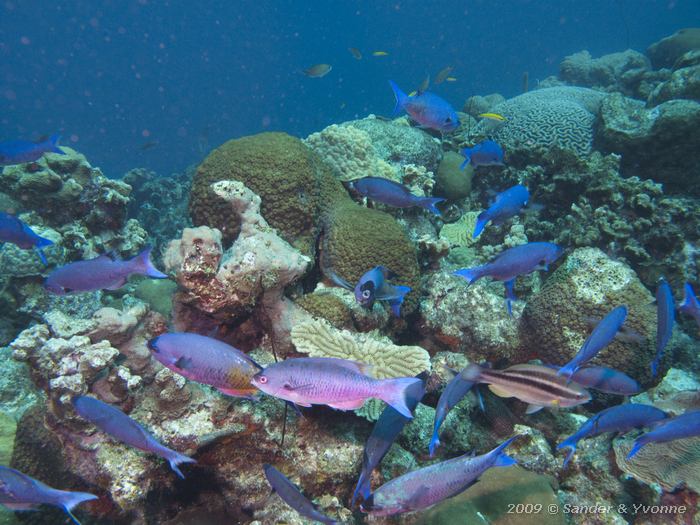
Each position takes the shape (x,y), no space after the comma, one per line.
(327,306)
(452,182)
(666,51)
(607,72)
(158,293)
(684,83)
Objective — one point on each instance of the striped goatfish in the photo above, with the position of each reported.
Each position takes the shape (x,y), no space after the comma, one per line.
(537,385)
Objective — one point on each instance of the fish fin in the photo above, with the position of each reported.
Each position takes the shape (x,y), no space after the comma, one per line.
(690,301)
(532,408)
(471,372)
(41,255)
(73,499)
(500,392)
(398,301)
(429,204)
(481,222)
(142,264)
(401,98)
(338,280)
(117,285)
(470,274)
(183,363)
(53,142)
(480,398)
(176,460)
(434,441)
(569,454)
(295,407)
(510,296)
(468,154)
(568,371)
(635,448)
(505,461)
(655,366)
(362,488)
(237,393)
(394,393)
(502,459)
(347,405)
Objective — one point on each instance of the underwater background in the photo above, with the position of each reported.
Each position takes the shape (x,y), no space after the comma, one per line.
(492,206)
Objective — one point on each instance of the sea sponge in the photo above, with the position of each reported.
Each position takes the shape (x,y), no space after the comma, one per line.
(589,284)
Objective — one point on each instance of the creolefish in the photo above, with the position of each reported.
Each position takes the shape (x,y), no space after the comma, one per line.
(683,426)
(18,233)
(374,286)
(429,110)
(486,153)
(506,205)
(454,392)
(392,194)
(21,151)
(665,319)
(293,497)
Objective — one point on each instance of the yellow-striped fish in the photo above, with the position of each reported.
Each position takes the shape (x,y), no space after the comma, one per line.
(379,53)
(451,79)
(493,116)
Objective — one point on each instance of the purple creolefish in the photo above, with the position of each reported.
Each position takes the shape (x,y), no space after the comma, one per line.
(207,361)
(392,194)
(427,486)
(606,380)
(429,110)
(21,151)
(665,319)
(106,272)
(18,233)
(20,492)
(507,204)
(117,424)
(338,383)
(454,392)
(620,418)
(293,497)
(690,305)
(683,426)
(519,260)
(486,153)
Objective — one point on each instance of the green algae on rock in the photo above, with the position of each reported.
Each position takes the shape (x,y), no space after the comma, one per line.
(451,181)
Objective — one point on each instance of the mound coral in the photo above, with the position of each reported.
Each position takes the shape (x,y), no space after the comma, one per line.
(613,72)
(452,182)
(666,51)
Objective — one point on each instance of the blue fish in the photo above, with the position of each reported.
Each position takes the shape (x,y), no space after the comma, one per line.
(683,426)
(455,390)
(506,205)
(17,232)
(606,380)
(293,497)
(601,336)
(393,194)
(21,151)
(620,418)
(103,272)
(20,492)
(117,424)
(385,431)
(690,305)
(373,286)
(665,320)
(486,153)
(519,260)
(429,110)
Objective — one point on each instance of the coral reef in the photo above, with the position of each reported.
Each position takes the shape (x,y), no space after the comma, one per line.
(452,182)
(666,51)
(683,83)
(621,72)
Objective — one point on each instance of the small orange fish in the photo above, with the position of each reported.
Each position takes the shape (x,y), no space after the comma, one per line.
(318,70)
(379,53)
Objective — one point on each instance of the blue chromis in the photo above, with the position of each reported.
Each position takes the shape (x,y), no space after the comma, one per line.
(393,194)
(21,151)
(690,305)
(338,383)
(373,286)
(385,431)
(507,205)
(21,492)
(106,272)
(683,426)
(427,109)
(486,153)
(17,232)
(519,260)
(620,418)
(117,424)
(293,497)
(601,336)
(207,361)
(665,319)
(423,488)
(455,390)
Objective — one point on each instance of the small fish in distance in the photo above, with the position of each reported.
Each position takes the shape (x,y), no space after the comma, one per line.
(374,286)
(506,205)
(117,424)
(679,427)
(690,305)
(208,361)
(453,393)
(486,153)
(106,272)
(493,116)
(338,383)
(442,75)
(665,319)
(424,487)
(293,497)
(21,151)
(427,109)
(318,70)
(601,336)
(18,233)
(356,53)
(379,54)
(519,260)
(620,418)
(392,194)
(21,492)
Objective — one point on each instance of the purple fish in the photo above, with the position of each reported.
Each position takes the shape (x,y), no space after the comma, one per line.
(293,497)
(117,424)
(392,194)
(427,486)
(683,426)
(103,272)
(455,390)
(665,319)
(373,286)
(21,151)
(385,431)
(601,336)
(621,418)
(519,260)
(506,205)
(486,153)
(606,380)
(17,232)
(207,361)
(429,110)
(690,305)
(20,492)
(338,383)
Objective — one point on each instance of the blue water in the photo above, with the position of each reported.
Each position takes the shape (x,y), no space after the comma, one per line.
(182,77)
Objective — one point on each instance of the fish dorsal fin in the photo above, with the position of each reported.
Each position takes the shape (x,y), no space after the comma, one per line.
(365,369)
(111,255)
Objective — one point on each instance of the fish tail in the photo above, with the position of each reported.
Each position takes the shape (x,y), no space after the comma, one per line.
(468,154)
(569,455)
(41,255)
(362,488)
(53,144)
(638,444)
(142,264)
(394,393)
(401,98)
(655,366)
(69,500)
(567,371)
(481,221)
(435,440)
(472,373)
(398,301)
(502,459)
(429,204)
(689,299)
(177,459)
(471,274)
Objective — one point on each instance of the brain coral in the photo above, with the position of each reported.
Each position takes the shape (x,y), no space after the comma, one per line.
(585,288)
(558,116)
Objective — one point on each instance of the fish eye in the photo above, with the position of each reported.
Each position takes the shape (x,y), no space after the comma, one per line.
(262,380)
(366,294)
